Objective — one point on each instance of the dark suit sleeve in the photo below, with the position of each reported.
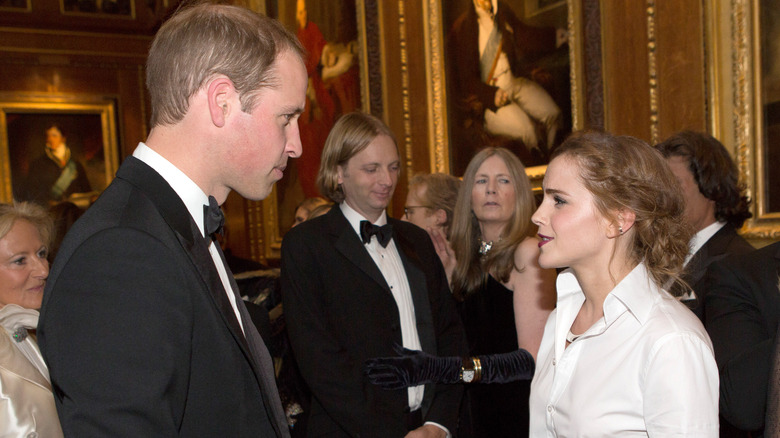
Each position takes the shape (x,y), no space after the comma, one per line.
(126,322)
(334,376)
(743,347)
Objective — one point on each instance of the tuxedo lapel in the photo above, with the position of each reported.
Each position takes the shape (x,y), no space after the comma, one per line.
(176,215)
(195,246)
(715,249)
(204,263)
(348,244)
(262,364)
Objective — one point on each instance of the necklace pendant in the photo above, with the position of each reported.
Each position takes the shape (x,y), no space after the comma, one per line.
(485,247)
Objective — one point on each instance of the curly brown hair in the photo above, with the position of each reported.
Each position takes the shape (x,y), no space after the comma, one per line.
(625,173)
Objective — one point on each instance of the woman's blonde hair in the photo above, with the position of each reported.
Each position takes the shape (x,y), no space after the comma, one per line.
(351,134)
(30,212)
(625,173)
(471,269)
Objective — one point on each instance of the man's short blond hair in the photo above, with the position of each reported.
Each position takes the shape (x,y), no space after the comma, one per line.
(204,40)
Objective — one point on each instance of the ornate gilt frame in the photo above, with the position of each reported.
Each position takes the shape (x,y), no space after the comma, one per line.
(735,101)
(437,98)
(15,103)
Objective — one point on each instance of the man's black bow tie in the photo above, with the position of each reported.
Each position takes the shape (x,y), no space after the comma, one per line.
(213,219)
(383,234)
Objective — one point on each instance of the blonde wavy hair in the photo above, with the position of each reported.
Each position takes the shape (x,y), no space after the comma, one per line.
(30,212)
(351,134)
(624,172)
(471,270)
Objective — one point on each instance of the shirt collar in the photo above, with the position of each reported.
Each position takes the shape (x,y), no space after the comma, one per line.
(636,293)
(355,218)
(190,193)
(700,238)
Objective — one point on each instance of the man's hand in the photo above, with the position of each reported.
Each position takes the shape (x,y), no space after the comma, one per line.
(427,431)
(501,98)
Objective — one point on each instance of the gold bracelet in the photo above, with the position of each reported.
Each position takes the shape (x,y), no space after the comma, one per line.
(477,369)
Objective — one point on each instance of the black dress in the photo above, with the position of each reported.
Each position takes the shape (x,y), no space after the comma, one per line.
(497,410)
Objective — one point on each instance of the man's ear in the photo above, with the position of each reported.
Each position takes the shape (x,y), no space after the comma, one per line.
(220,93)
(441,216)
(339,174)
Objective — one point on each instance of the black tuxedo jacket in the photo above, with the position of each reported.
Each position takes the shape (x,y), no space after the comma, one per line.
(137,330)
(743,310)
(722,244)
(340,312)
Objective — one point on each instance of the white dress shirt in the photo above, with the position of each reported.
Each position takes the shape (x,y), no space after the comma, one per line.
(389,263)
(388,260)
(646,368)
(502,71)
(194,199)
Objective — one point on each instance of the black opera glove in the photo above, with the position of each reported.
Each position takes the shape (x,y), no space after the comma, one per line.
(414,367)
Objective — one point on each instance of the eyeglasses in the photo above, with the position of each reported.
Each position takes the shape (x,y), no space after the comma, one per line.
(410,207)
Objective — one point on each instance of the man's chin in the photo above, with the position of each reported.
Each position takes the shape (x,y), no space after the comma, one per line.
(258,194)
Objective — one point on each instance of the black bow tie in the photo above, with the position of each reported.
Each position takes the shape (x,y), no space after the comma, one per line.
(383,234)
(213,219)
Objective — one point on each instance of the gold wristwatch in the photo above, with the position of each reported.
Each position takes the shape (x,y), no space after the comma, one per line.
(470,370)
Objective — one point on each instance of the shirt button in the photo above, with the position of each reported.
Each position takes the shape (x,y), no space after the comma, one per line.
(554,362)
(549,408)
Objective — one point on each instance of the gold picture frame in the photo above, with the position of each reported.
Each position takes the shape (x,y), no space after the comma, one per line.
(89,121)
(737,105)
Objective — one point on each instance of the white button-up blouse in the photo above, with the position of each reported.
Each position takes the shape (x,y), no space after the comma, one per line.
(645,369)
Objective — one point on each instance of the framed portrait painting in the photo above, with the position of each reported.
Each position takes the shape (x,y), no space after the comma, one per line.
(507,65)
(55,151)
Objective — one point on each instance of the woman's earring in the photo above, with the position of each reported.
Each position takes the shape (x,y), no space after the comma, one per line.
(620,229)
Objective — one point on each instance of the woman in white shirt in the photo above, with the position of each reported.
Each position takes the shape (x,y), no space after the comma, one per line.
(620,356)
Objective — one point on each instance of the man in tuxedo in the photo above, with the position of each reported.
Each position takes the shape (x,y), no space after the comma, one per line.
(142,325)
(743,312)
(715,206)
(356,284)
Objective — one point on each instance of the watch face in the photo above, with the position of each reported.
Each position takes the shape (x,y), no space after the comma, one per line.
(468,375)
